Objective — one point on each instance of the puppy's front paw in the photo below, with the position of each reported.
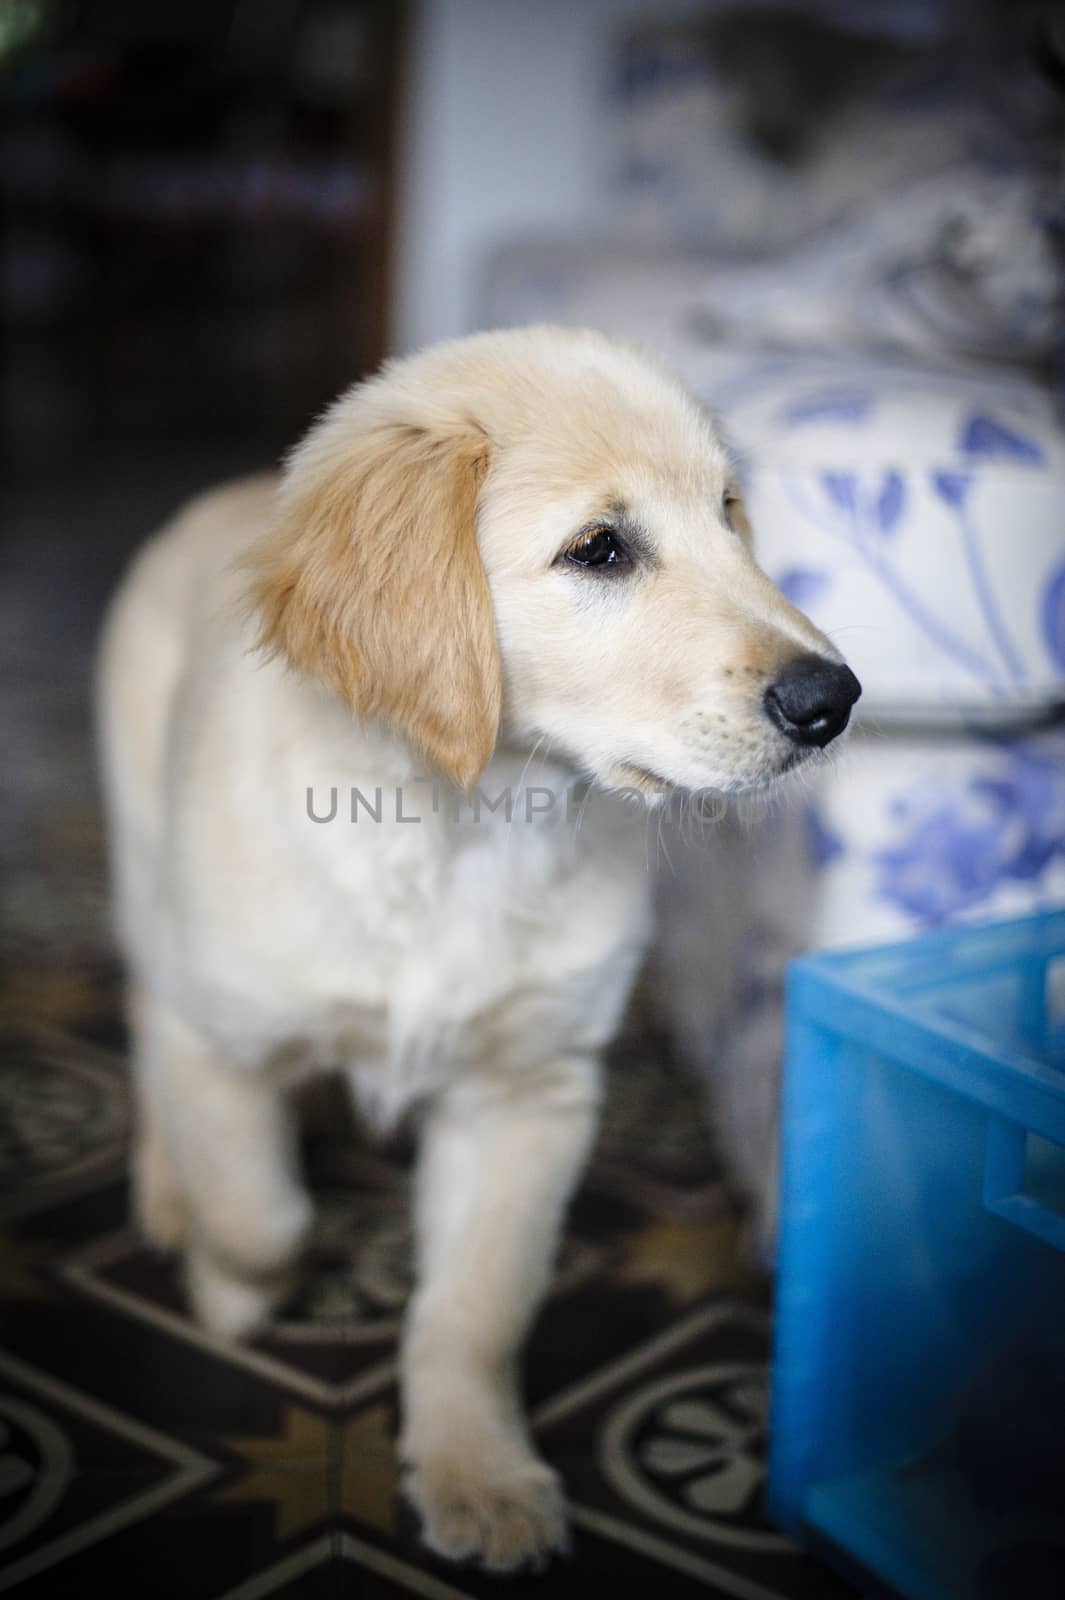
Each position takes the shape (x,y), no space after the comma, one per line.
(505,1516)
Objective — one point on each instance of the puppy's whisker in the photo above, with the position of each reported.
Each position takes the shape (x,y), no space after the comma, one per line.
(662,846)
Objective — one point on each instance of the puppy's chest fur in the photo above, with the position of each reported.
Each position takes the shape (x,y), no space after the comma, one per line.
(416,952)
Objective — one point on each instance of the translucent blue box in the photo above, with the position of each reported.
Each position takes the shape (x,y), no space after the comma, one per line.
(918,1409)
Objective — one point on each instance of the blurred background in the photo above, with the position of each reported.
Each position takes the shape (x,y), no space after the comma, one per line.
(198,203)
(217,215)
(842,221)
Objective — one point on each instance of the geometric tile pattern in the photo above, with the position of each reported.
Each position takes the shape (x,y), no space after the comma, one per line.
(138,1455)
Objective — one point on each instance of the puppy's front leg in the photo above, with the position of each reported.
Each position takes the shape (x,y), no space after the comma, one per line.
(498,1164)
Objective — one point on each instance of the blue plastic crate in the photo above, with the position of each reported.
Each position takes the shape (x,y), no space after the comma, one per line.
(918,1418)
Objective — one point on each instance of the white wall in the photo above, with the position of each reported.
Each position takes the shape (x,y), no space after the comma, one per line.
(503,134)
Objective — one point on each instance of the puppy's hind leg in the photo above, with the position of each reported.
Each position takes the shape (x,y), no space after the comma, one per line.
(216,1165)
(158,1204)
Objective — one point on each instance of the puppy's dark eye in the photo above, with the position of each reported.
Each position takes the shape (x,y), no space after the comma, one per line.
(732,509)
(598,548)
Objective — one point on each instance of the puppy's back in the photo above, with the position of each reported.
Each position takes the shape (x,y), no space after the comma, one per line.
(175,581)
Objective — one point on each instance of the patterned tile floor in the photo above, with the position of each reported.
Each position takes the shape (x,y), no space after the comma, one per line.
(140,1457)
(136,1451)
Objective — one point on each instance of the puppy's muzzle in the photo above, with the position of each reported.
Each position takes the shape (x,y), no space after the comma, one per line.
(811,701)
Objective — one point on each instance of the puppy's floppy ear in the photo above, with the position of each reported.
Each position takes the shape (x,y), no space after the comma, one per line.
(372,580)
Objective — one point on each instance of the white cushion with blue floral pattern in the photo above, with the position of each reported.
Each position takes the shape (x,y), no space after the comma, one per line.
(918,516)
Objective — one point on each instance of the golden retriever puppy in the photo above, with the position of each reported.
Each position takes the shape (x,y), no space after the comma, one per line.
(512,564)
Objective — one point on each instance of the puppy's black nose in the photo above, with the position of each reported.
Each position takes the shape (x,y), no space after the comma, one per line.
(811,700)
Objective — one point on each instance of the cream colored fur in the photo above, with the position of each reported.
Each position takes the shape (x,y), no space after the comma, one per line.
(397,608)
